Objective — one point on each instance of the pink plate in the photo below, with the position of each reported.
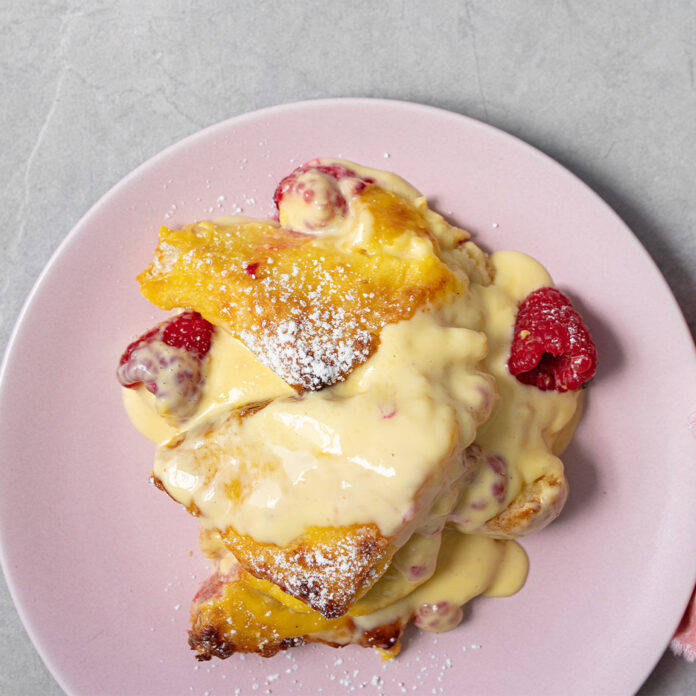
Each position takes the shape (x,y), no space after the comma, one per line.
(102,566)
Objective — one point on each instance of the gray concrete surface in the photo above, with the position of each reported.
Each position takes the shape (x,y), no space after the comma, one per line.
(91,89)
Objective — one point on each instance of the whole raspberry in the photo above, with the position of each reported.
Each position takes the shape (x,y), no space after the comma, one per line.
(168,362)
(191,331)
(551,347)
(335,171)
(188,330)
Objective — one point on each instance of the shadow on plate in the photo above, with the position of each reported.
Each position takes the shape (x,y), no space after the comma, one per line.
(581,472)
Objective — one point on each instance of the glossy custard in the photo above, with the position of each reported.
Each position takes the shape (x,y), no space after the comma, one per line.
(399,411)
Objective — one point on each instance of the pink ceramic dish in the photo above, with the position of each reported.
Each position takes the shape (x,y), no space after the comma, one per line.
(100,564)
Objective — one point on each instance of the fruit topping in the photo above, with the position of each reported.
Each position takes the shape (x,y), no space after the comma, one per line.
(551,347)
(168,361)
(311,197)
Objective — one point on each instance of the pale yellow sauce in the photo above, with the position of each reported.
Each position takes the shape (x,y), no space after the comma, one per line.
(526,422)
(386,446)
(379,448)
(369,450)
(140,407)
(234,378)
(468,565)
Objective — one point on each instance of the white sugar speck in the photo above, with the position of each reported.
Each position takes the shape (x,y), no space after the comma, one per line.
(495,224)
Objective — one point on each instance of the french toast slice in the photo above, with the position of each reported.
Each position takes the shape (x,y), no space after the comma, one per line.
(309,307)
(327,567)
(235,612)
(487,508)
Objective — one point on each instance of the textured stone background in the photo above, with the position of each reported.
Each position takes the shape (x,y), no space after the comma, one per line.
(92,89)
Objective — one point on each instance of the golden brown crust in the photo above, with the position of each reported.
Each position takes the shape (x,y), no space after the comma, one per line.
(310,311)
(212,641)
(539,503)
(228,616)
(327,568)
(386,637)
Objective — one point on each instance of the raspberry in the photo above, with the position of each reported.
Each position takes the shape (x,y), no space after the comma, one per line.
(187,330)
(191,331)
(551,347)
(439,617)
(167,360)
(335,171)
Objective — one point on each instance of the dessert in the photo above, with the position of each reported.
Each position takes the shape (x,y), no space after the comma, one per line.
(361,407)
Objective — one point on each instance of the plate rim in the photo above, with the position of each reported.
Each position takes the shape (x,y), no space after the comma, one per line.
(360,102)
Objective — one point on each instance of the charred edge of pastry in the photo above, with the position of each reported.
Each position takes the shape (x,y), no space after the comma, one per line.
(384,637)
(208,642)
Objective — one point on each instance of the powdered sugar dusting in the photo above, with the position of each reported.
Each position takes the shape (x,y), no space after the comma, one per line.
(326,576)
(424,671)
(311,350)
(311,310)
